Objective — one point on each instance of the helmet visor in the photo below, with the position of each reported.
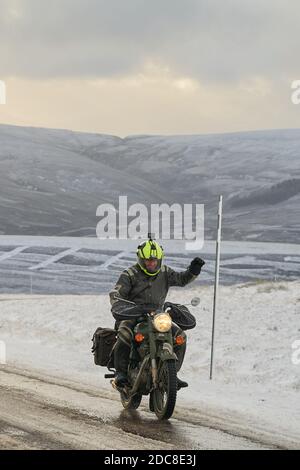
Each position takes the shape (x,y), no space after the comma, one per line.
(151,265)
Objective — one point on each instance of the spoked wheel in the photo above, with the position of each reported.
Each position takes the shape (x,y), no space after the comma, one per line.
(164,396)
(130,402)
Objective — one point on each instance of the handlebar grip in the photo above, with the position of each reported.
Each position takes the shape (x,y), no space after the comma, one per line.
(109,376)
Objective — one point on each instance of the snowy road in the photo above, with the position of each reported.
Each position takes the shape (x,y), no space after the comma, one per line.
(41,412)
(53,396)
(51,390)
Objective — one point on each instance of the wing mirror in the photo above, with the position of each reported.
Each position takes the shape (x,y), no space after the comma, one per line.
(195,301)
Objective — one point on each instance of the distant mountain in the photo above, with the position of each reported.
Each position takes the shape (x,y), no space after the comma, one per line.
(51,181)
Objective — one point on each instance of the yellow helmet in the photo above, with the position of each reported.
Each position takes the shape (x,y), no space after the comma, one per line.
(150,250)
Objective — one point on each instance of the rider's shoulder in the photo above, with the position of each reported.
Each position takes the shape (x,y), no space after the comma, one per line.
(132,271)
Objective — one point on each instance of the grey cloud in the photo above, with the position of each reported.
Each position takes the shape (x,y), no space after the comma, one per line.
(207,40)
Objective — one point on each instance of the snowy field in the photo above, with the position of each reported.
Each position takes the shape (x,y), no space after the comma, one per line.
(255,380)
(69,265)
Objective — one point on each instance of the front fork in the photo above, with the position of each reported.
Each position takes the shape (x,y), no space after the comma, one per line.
(154,372)
(152,344)
(166,354)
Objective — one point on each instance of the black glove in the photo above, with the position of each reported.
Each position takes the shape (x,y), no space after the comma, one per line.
(196,265)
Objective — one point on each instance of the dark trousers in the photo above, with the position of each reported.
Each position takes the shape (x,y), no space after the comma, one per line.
(125,338)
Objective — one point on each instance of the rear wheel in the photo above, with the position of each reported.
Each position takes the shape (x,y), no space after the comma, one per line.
(164,396)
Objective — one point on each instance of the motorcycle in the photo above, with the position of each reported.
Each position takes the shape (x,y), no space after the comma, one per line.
(152,365)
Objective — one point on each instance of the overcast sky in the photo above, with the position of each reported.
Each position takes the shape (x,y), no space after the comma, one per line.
(138,66)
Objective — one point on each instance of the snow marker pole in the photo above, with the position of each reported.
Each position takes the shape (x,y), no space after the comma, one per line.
(217,270)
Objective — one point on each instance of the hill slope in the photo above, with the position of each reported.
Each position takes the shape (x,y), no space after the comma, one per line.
(53,180)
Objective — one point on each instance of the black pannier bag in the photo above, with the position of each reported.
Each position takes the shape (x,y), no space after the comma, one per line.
(104,340)
(181,315)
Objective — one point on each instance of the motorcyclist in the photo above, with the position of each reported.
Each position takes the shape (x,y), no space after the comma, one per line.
(142,288)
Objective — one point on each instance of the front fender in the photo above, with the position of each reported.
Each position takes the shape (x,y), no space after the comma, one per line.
(166,352)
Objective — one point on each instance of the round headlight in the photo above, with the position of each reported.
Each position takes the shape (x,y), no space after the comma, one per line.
(162,322)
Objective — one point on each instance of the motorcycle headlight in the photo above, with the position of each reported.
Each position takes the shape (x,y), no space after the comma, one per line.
(162,322)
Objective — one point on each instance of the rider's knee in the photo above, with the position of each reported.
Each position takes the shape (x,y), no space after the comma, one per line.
(125,332)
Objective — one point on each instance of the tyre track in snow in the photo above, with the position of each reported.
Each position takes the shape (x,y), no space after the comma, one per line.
(42,412)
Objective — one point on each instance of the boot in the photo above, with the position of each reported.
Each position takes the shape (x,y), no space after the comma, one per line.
(121,360)
(181,384)
(121,379)
(180,352)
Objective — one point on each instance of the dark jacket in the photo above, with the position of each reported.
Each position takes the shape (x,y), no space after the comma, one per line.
(135,291)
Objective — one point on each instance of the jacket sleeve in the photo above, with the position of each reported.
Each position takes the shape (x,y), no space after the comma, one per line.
(121,289)
(180,279)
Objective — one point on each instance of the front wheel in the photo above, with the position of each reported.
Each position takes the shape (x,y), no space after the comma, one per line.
(164,396)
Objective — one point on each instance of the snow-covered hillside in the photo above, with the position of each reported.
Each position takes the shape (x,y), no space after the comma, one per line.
(53,180)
